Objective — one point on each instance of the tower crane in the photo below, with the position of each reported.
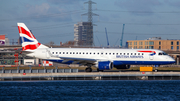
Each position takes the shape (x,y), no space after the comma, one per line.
(107,37)
(121,41)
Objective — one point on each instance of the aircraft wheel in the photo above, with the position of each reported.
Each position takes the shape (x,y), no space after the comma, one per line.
(88,69)
(99,70)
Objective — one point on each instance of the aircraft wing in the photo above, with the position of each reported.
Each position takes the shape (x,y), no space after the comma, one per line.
(79,60)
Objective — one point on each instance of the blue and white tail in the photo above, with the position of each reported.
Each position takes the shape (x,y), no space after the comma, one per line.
(28,40)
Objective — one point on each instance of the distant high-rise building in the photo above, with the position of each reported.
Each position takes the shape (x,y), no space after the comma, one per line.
(83,34)
(6,41)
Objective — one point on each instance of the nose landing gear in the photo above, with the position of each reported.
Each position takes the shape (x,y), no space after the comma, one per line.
(156,67)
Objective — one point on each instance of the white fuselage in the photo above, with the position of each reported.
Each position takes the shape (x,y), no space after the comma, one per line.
(117,56)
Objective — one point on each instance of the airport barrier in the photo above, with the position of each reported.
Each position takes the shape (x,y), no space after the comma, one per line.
(92,76)
(40,71)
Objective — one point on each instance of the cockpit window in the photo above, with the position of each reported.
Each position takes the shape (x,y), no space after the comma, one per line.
(160,53)
(163,53)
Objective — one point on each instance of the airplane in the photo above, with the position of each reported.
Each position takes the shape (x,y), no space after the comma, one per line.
(101,58)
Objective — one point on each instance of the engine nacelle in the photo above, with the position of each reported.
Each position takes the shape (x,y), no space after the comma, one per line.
(104,65)
(122,66)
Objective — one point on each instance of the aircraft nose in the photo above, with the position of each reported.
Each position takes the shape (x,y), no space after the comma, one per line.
(171,60)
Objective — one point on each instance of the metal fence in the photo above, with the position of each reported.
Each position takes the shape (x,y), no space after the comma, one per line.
(40,71)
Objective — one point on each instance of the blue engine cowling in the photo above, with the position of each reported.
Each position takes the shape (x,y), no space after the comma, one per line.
(105,65)
(122,66)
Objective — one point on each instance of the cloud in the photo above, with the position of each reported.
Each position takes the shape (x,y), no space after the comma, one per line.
(64,1)
(38,9)
(138,5)
(173,3)
(45,12)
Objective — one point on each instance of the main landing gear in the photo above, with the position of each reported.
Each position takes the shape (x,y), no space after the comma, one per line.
(88,69)
(99,70)
(156,67)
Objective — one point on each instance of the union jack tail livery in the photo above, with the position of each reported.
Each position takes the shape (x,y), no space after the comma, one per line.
(28,41)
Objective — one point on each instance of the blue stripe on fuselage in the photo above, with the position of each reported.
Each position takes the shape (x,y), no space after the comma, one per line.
(143,62)
(125,62)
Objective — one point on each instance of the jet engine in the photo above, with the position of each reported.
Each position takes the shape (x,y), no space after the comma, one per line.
(104,65)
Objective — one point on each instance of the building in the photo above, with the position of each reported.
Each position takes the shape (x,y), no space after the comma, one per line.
(83,34)
(4,40)
(155,43)
(7,57)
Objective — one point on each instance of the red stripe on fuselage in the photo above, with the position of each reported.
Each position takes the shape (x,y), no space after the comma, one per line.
(31,47)
(23,31)
(147,51)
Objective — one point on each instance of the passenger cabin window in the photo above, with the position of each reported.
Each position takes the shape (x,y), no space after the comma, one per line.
(131,53)
(138,53)
(52,52)
(113,53)
(124,53)
(63,52)
(56,52)
(109,53)
(134,53)
(127,53)
(66,52)
(59,52)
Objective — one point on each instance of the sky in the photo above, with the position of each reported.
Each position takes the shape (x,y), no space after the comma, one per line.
(53,20)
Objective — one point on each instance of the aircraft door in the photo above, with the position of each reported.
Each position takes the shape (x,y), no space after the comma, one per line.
(151,57)
(48,54)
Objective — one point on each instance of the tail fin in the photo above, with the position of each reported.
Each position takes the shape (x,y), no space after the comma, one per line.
(28,40)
